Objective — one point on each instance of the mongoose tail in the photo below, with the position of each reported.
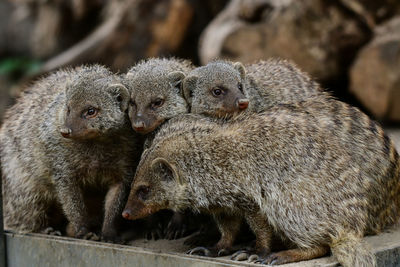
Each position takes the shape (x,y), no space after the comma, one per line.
(351,250)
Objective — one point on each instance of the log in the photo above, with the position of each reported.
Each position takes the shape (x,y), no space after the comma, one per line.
(131,30)
(322,37)
(375,74)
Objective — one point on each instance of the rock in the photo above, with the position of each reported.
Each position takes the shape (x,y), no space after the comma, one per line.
(375,74)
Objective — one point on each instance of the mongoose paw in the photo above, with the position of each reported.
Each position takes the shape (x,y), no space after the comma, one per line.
(244,254)
(51,231)
(223,252)
(277,258)
(155,233)
(175,230)
(201,251)
(84,233)
(212,252)
(91,236)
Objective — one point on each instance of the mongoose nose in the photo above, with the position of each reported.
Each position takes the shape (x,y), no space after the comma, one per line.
(126,214)
(138,126)
(65,132)
(243,103)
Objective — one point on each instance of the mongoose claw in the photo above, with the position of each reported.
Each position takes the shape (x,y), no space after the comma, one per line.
(202,251)
(91,236)
(180,226)
(51,231)
(253,258)
(240,255)
(274,259)
(155,233)
(223,252)
(175,231)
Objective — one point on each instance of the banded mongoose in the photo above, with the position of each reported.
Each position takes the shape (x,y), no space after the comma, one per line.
(69,132)
(156,93)
(223,88)
(155,86)
(285,171)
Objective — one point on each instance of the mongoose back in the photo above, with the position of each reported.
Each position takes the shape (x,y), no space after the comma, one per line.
(70,131)
(223,88)
(285,171)
(156,93)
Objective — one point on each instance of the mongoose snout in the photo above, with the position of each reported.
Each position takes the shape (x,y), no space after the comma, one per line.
(65,132)
(138,124)
(127,214)
(242,104)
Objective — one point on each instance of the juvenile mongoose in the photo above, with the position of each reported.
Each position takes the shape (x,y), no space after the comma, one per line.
(223,88)
(285,171)
(156,94)
(69,132)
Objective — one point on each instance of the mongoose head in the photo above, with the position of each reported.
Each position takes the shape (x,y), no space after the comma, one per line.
(96,105)
(157,185)
(156,93)
(216,89)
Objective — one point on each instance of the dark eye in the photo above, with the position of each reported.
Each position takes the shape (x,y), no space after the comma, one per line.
(217,91)
(143,192)
(90,112)
(68,111)
(132,103)
(157,103)
(119,98)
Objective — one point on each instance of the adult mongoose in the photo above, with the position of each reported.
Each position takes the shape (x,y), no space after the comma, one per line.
(286,171)
(68,132)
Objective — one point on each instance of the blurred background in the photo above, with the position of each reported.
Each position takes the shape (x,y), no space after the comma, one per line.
(352,47)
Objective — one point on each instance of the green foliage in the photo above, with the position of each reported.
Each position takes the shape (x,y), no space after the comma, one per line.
(20,66)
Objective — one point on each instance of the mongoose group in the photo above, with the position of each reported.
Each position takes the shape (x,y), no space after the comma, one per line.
(260,142)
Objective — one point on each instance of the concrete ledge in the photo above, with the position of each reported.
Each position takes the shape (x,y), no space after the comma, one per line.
(42,250)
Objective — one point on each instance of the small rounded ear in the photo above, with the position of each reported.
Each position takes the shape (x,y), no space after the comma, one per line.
(189,85)
(240,68)
(175,79)
(122,95)
(171,172)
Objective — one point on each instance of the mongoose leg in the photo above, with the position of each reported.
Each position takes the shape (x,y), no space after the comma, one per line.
(72,202)
(229,226)
(294,255)
(114,204)
(263,232)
